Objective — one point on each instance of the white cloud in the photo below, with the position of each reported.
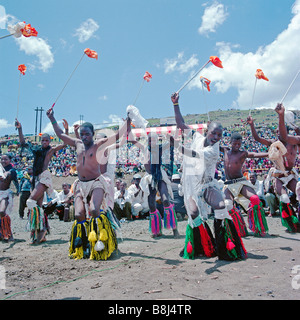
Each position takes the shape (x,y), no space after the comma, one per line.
(103,98)
(86,30)
(39,48)
(180,64)
(213,16)
(277,60)
(4,124)
(35,46)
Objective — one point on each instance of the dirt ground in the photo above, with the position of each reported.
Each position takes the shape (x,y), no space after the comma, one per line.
(146,268)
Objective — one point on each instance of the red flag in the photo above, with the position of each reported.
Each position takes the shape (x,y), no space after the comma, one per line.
(28,31)
(216,61)
(91,53)
(22,68)
(205,82)
(147,76)
(260,75)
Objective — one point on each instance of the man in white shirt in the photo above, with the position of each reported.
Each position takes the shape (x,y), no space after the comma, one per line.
(122,205)
(138,199)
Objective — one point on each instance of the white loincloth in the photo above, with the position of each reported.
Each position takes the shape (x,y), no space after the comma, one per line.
(7,194)
(45,178)
(86,189)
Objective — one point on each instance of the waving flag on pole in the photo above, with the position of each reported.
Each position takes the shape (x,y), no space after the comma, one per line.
(214,60)
(205,83)
(91,54)
(22,68)
(28,31)
(21,29)
(258,76)
(147,77)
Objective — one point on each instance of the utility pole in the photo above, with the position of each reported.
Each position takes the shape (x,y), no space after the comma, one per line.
(37,110)
(41,114)
(36,120)
(81,119)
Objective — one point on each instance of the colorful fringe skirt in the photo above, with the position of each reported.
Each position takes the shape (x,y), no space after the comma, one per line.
(37,222)
(257,220)
(199,241)
(239,222)
(229,245)
(5,228)
(94,239)
(288,217)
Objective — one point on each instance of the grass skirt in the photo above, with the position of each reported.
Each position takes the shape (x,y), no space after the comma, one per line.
(199,241)
(288,217)
(94,239)
(229,245)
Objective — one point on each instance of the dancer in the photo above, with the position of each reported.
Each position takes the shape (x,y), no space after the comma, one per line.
(236,184)
(7,175)
(42,182)
(201,190)
(283,175)
(289,218)
(92,238)
(156,180)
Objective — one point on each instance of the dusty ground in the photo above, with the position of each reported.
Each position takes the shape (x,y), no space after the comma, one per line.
(148,269)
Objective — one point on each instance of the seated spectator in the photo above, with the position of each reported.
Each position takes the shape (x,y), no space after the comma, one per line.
(73,170)
(117,185)
(64,203)
(122,205)
(271,199)
(258,187)
(138,200)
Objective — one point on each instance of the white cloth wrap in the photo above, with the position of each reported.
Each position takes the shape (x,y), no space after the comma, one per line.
(136,118)
(198,174)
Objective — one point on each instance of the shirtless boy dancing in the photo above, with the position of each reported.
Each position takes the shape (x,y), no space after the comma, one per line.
(42,154)
(236,184)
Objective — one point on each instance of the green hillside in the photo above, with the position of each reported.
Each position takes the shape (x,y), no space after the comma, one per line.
(232,116)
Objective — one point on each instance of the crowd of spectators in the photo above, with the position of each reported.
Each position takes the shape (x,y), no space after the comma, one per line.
(129,202)
(129,157)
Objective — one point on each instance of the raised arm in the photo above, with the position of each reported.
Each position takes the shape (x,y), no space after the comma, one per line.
(257,155)
(20,131)
(59,132)
(282,128)
(178,116)
(255,134)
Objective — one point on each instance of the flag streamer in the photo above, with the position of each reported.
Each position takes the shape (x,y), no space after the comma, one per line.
(213,59)
(91,54)
(146,78)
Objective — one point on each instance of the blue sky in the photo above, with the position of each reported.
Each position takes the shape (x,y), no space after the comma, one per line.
(171,39)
